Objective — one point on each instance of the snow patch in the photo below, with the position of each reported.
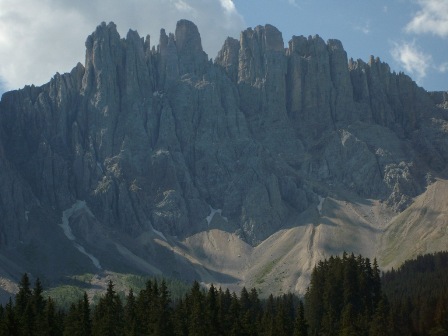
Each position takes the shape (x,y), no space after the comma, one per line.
(160,234)
(213,212)
(95,261)
(321,203)
(66,214)
(65,225)
(161,152)
(100,167)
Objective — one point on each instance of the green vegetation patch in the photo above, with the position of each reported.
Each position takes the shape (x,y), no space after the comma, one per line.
(87,277)
(64,295)
(259,278)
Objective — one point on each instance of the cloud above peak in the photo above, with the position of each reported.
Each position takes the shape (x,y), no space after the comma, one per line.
(431,18)
(38,39)
(229,6)
(364,28)
(412,59)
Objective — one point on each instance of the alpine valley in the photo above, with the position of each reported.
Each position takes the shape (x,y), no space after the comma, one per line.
(245,170)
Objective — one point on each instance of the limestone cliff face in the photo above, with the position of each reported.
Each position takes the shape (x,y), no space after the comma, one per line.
(159,137)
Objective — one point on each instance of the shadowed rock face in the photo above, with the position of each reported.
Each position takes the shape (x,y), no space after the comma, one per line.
(154,137)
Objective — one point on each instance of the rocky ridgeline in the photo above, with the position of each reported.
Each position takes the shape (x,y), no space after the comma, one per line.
(156,137)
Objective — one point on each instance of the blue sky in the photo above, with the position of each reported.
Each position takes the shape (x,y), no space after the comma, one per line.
(400,32)
(40,38)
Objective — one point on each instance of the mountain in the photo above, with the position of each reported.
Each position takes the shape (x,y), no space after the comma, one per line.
(245,170)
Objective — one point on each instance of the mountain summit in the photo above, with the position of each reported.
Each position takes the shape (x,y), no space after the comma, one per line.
(245,170)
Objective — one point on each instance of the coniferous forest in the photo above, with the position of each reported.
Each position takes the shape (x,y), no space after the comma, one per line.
(347,296)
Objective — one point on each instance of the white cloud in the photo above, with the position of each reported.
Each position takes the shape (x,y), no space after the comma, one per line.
(412,59)
(365,28)
(431,18)
(228,6)
(182,6)
(443,67)
(40,38)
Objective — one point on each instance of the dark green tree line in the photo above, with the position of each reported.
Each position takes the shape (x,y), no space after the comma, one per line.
(418,295)
(347,296)
(343,296)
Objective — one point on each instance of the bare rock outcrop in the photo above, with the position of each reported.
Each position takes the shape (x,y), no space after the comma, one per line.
(161,138)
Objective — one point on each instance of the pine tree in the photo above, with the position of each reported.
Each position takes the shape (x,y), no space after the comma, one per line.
(245,316)
(78,321)
(23,308)
(2,319)
(37,303)
(71,322)
(180,319)
(49,323)
(367,287)
(348,323)
(27,320)
(130,315)
(10,325)
(234,314)
(108,314)
(267,320)
(290,301)
(376,283)
(255,312)
(164,325)
(300,325)
(211,311)
(343,296)
(86,320)
(350,283)
(314,305)
(332,297)
(153,309)
(224,301)
(441,316)
(23,296)
(196,313)
(380,325)
(280,323)
(144,303)
(37,298)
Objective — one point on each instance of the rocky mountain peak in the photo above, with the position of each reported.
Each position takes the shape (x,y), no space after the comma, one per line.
(188,39)
(189,47)
(270,37)
(153,148)
(257,46)
(228,57)
(163,40)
